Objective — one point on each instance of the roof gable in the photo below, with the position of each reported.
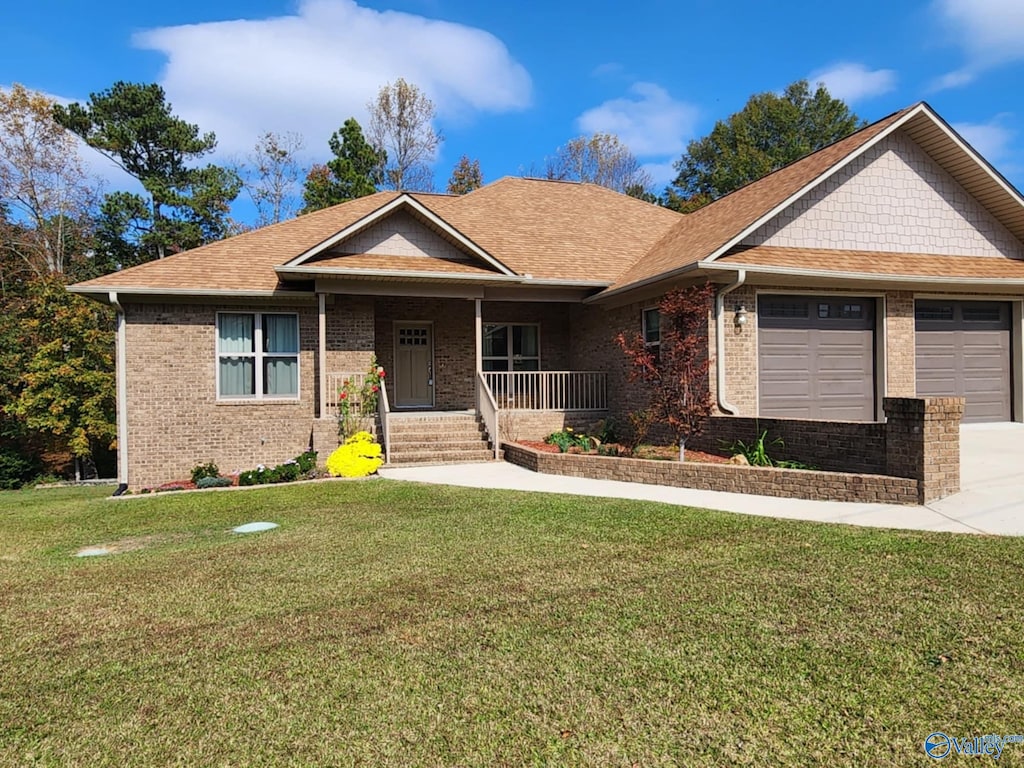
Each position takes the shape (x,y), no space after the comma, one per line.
(893,198)
(403,227)
(710,232)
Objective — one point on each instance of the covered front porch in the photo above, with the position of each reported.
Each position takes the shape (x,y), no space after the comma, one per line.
(505,361)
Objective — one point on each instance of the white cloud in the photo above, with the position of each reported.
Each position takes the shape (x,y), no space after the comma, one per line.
(662,174)
(990,32)
(990,139)
(852,82)
(650,122)
(310,71)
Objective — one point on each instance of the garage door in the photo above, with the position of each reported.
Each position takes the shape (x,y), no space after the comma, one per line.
(816,357)
(963,348)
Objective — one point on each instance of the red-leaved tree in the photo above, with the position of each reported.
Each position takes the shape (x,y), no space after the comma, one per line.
(676,375)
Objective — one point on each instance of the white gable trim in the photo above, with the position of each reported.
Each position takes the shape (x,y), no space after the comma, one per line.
(402,201)
(737,239)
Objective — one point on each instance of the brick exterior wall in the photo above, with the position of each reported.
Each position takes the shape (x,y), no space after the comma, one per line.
(351,334)
(893,198)
(536,425)
(916,459)
(740,350)
(174,418)
(901,345)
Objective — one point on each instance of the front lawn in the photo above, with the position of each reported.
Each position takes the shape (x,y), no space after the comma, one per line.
(387,623)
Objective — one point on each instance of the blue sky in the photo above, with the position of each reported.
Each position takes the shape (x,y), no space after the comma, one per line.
(513,81)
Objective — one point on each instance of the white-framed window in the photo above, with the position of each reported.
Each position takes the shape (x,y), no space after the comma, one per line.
(511,347)
(257,356)
(651,322)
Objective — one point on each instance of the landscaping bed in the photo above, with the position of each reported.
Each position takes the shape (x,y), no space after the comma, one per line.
(655,452)
(761,481)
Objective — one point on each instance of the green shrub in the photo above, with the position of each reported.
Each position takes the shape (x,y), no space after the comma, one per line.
(200,471)
(757,451)
(213,482)
(567,438)
(15,469)
(306,462)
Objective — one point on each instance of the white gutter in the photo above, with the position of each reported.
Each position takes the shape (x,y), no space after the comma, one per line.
(867,277)
(724,405)
(90,290)
(121,365)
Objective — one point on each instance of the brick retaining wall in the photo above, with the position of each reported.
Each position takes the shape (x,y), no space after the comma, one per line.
(760,481)
(912,458)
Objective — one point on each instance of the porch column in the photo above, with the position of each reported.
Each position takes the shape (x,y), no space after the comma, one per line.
(322,352)
(479,337)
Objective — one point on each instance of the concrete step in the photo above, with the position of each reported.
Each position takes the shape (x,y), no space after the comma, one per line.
(433,426)
(441,457)
(446,434)
(450,444)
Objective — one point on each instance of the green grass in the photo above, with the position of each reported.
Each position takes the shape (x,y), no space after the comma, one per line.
(387,623)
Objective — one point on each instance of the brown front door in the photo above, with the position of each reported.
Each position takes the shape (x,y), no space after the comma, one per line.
(414,365)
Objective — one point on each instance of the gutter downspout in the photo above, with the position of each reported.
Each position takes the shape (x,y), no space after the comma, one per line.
(724,405)
(122,396)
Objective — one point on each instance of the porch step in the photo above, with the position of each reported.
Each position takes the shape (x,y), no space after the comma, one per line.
(437,438)
(441,457)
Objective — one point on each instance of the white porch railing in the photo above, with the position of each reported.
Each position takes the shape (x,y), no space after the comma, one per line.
(335,383)
(488,411)
(548,390)
(384,409)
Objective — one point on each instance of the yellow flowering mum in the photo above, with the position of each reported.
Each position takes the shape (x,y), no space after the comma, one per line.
(358,457)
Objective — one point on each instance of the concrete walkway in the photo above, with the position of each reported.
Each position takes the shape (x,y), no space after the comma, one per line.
(992,500)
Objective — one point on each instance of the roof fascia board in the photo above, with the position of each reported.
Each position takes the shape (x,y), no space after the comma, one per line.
(646,282)
(973,154)
(734,266)
(314,272)
(403,200)
(922,107)
(123,290)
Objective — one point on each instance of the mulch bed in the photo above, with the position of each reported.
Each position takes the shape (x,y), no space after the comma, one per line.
(660,452)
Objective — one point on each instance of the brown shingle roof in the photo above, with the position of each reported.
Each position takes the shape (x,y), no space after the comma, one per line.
(244,262)
(548,229)
(707,229)
(877,263)
(558,230)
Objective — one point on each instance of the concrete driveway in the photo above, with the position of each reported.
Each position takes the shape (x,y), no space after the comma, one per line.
(992,500)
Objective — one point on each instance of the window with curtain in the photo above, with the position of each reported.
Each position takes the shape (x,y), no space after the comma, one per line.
(511,347)
(257,355)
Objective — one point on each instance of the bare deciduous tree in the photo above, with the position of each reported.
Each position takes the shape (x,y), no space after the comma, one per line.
(599,159)
(401,125)
(43,183)
(271,175)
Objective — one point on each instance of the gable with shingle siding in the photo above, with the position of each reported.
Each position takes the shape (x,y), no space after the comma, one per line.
(894,198)
(400,234)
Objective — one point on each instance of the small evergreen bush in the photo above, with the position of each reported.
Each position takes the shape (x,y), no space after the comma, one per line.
(213,482)
(200,471)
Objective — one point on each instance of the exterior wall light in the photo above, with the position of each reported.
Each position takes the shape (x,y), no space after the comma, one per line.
(741,315)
